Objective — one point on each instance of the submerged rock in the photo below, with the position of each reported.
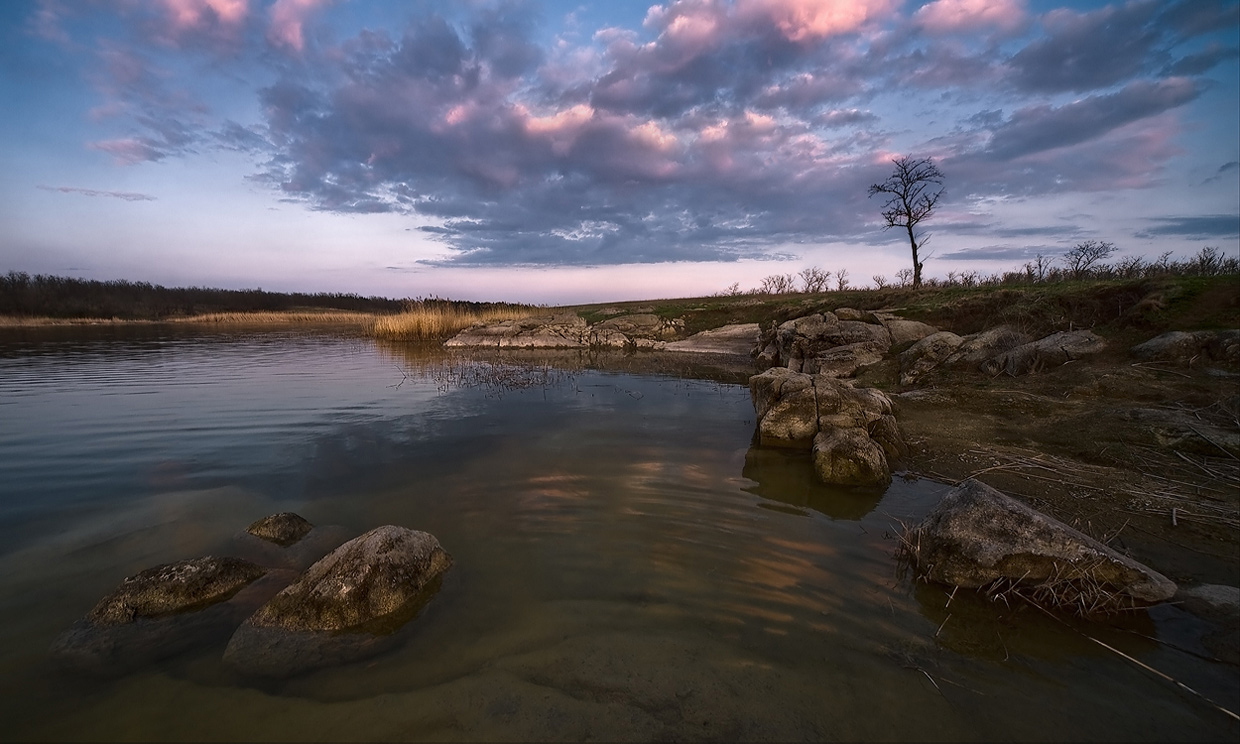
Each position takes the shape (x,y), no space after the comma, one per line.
(174,587)
(165,610)
(283,529)
(343,606)
(978,537)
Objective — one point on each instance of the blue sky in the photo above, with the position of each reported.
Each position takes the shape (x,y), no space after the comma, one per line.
(566,152)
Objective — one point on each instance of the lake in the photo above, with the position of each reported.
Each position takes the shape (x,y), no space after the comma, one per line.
(627,564)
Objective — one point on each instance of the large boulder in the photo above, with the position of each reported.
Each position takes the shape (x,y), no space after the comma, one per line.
(907,331)
(926,355)
(343,607)
(980,538)
(850,430)
(562,331)
(1051,351)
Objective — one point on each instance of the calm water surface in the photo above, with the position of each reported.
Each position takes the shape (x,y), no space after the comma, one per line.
(627,566)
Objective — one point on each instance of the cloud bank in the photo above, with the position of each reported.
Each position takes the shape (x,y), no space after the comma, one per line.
(713,131)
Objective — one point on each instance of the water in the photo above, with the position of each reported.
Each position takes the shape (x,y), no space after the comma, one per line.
(627,566)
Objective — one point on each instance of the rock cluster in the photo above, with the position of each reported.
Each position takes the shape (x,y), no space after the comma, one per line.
(838,343)
(850,431)
(979,538)
(344,606)
(568,331)
(999,350)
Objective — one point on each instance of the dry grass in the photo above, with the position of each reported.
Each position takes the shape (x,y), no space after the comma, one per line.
(1072,587)
(424,322)
(302,317)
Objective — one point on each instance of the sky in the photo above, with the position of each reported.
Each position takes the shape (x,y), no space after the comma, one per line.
(566,152)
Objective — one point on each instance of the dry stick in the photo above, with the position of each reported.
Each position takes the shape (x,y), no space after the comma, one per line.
(1216,444)
(940,630)
(1195,464)
(1145,666)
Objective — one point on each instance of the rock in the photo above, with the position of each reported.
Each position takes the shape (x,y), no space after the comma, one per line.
(364,579)
(283,529)
(1185,432)
(344,607)
(299,556)
(645,325)
(848,429)
(843,361)
(192,607)
(564,331)
(1184,348)
(848,457)
(738,338)
(850,313)
(978,536)
(979,347)
(1219,605)
(927,354)
(885,432)
(1212,600)
(905,331)
(174,587)
(1052,351)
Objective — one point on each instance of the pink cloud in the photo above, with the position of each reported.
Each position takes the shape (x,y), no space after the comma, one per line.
(128,151)
(191,14)
(809,20)
(950,16)
(288,19)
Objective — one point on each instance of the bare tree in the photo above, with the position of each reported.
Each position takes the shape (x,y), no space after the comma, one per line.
(815,279)
(1085,256)
(880,282)
(913,190)
(841,280)
(778,284)
(904,277)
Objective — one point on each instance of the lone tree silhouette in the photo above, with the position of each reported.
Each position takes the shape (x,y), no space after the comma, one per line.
(913,189)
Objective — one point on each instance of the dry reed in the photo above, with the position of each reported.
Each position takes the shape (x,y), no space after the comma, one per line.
(427,322)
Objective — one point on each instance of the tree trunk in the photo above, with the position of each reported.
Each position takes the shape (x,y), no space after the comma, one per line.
(912,241)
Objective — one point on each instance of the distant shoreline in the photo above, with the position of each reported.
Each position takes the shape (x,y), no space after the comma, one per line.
(256,318)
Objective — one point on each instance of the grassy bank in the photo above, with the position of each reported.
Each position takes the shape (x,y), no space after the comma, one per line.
(1120,306)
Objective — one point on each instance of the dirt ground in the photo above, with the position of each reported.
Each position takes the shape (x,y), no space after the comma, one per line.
(1145,457)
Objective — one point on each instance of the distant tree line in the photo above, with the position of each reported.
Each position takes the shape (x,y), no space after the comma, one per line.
(42,295)
(1086,260)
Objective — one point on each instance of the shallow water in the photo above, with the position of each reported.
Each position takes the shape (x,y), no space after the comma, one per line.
(627,565)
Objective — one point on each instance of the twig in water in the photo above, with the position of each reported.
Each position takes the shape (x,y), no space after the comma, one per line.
(1149,668)
(940,630)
